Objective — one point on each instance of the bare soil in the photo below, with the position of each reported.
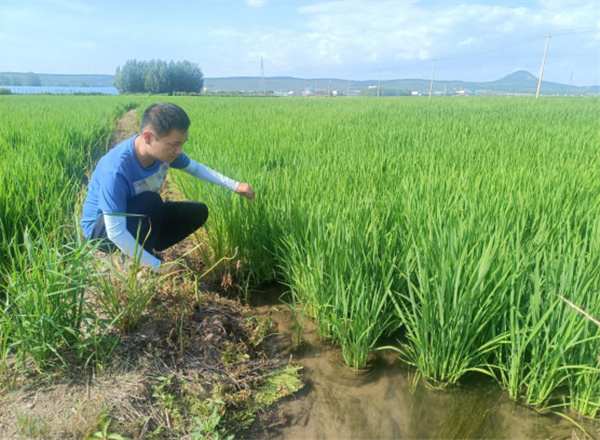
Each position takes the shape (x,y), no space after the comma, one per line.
(125,127)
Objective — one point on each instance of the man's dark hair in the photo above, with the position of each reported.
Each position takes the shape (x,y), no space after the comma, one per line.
(164,117)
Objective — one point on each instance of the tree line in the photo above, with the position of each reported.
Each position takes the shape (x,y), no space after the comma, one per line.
(158,76)
(27,79)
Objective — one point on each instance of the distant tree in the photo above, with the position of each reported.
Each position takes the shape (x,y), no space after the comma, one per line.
(117,79)
(16,81)
(32,79)
(186,77)
(157,76)
(130,79)
(4,80)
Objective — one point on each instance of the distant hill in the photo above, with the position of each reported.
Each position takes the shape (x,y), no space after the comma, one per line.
(520,82)
(524,82)
(57,80)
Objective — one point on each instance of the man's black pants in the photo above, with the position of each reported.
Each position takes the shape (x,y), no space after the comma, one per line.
(160,224)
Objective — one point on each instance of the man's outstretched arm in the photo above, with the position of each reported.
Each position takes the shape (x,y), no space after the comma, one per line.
(207,174)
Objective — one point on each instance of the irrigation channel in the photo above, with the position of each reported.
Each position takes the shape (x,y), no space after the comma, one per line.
(387,400)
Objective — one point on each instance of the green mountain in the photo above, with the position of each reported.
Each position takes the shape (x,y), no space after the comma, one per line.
(524,82)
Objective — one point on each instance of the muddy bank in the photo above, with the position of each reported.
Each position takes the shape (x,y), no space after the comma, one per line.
(195,364)
(388,401)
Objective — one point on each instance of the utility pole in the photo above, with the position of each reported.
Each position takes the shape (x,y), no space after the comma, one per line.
(432,75)
(262,77)
(537,93)
(570,83)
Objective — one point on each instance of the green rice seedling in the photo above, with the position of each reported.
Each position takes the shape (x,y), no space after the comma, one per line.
(584,381)
(354,319)
(550,341)
(584,385)
(45,307)
(308,288)
(297,316)
(7,376)
(451,309)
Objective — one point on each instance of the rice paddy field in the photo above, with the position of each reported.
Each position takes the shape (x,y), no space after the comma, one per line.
(461,233)
(47,146)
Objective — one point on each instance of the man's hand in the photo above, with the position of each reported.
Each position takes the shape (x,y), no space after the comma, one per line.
(245,190)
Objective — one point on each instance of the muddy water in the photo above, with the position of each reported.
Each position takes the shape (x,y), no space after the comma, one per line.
(388,402)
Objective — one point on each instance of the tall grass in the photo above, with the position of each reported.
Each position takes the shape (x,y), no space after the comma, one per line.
(47,145)
(458,222)
(45,310)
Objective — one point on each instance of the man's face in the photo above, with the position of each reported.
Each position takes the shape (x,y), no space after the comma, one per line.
(168,148)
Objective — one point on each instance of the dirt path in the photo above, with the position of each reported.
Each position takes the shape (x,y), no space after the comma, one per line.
(125,127)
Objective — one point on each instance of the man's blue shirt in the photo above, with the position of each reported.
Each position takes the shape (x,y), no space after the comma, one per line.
(118,177)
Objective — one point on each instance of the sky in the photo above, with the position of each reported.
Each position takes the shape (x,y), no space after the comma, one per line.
(470,40)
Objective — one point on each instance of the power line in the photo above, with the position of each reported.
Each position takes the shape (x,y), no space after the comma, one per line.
(518,43)
(501,47)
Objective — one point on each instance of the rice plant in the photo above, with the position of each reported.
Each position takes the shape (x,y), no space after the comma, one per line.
(459,222)
(47,145)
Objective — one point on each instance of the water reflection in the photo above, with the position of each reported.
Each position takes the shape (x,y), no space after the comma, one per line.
(389,402)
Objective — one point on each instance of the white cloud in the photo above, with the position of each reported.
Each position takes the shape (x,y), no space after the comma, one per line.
(224,32)
(469,41)
(256,3)
(75,6)
(352,32)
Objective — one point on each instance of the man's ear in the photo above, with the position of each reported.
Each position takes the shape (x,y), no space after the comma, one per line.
(147,136)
